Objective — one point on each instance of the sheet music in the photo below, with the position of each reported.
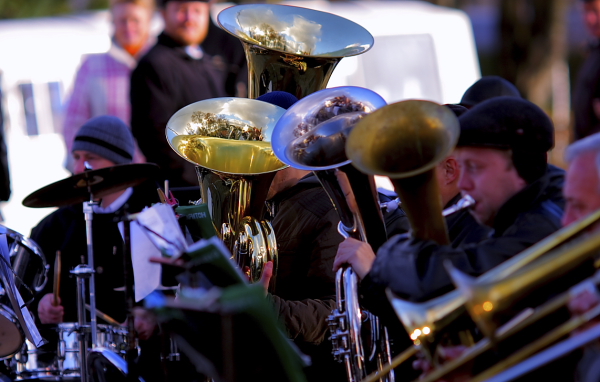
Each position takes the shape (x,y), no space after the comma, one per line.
(23,315)
(160,225)
(146,275)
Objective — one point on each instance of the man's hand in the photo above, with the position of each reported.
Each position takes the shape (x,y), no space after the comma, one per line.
(265,279)
(581,303)
(357,253)
(48,313)
(446,354)
(144,323)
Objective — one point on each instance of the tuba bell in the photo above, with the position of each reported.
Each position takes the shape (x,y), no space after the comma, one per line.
(311,136)
(228,141)
(292,49)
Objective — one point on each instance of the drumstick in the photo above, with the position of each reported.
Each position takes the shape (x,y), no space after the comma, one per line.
(57,268)
(104,316)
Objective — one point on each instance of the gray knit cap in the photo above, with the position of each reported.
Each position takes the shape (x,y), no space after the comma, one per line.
(108,137)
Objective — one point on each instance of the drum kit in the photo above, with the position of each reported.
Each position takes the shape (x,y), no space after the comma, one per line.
(85,350)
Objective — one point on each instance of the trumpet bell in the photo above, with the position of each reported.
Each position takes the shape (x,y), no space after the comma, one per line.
(286,47)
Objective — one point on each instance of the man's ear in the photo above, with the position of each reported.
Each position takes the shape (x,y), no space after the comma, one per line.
(451,170)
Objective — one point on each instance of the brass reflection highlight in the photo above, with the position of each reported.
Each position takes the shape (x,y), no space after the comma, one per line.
(223,154)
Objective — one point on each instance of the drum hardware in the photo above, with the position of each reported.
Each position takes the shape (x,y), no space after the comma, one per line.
(57,272)
(104,316)
(86,188)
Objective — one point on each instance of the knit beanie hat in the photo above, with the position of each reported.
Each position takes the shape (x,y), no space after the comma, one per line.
(510,123)
(108,137)
(279,98)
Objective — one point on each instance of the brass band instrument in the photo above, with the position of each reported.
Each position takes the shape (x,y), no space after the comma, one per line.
(425,320)
(228,138)
(405,141)
(311,136)
(228,141)
(292,49)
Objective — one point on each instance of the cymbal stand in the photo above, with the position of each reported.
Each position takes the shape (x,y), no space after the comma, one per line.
(88,212)
(132,371)
(82,272)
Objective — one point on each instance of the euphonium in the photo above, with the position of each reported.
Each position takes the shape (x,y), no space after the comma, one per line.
(311,136)
(292,49)
(228,141)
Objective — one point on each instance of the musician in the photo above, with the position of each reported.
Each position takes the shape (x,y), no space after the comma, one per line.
(582,194)
(173,74)
(502,151)
(303,293)
(102,142)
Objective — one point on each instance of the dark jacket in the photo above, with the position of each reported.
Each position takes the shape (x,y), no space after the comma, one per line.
(166,80)
(229,56)
(414,269)
(64,230)
(587,88)
(305,225)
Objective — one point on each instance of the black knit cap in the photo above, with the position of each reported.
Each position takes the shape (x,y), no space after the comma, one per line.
(510,123)
(279,98)
(488,87)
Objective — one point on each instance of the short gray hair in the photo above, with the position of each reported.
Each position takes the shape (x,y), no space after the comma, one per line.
(589,144)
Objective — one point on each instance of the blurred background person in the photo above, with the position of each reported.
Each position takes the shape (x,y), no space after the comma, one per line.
(102,82)
(174,73)
(586,95)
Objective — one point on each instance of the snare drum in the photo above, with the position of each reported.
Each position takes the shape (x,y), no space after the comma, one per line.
(65,362)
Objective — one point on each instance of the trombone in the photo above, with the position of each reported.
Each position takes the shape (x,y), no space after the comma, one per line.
(430,317)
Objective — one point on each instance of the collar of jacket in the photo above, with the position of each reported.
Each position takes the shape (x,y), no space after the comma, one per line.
(307,181)
(178,48)
(521,202)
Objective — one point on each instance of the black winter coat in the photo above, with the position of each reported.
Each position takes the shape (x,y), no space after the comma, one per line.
(64,230)
(587,89)
(414,269)
(305,225)
(166,80)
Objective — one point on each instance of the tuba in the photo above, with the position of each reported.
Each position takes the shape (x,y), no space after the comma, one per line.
(311,135)
(228,141)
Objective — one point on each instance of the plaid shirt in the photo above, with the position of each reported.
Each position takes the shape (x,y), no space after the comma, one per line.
(101,88)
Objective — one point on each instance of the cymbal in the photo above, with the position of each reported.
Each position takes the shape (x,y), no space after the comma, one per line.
(99,183)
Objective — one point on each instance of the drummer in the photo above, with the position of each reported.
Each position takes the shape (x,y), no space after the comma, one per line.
(101,142)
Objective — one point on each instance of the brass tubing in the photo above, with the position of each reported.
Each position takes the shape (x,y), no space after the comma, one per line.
(507,330)
(397,361)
